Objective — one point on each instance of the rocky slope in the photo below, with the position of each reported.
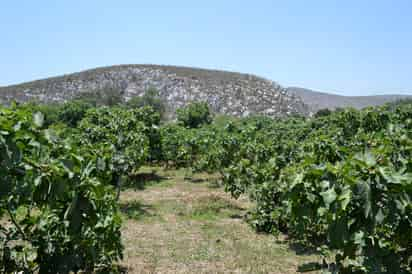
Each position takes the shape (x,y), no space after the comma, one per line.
(319,100)
(226,92)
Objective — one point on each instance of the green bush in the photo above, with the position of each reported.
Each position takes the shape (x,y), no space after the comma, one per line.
(322,112)
(120,135)
(341,182)
(150,98)
(194,115)
(72,112)
(50,111)
(58,212)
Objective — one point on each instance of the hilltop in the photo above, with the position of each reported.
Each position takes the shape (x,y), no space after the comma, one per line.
(226,92)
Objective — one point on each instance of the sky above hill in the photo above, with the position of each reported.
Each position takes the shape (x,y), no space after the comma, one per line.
(346,47)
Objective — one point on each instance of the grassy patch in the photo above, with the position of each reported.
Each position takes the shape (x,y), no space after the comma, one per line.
(212,207)
(203,208)
(183,225)
(214,184)
(172,207)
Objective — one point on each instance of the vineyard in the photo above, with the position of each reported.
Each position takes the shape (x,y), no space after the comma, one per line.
(339,183)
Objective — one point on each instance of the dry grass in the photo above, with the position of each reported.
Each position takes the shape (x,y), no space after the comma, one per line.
(178,225)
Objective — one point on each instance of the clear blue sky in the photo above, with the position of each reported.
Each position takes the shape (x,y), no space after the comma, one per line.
(347,47)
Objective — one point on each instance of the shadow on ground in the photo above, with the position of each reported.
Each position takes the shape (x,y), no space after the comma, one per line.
(141,180)
(196,180)
(309,267)
(136,210)
(212,183)
(301,249)
(114,269)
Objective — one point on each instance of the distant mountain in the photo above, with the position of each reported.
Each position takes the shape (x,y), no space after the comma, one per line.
(226,92)
(319,100)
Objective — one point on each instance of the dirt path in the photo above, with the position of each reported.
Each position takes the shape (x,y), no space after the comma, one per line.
(173,225)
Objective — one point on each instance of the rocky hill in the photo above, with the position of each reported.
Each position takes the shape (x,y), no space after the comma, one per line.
(226,92)
(320,100)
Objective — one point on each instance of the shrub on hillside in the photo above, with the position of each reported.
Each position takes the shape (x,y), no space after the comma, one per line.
(107,96)
(150,98)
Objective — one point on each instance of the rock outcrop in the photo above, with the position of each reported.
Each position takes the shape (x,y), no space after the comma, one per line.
(226,92)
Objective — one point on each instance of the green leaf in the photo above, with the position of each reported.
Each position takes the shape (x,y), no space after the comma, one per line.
(38,119)
(21,213)
(379,216)
(31,255)
(367,158)
(364,193)
(322,211)
(17,126)
(50,135)
(37,180)
(329,196)
(325,184)
(345,197)
(394,177)
(297,180)
(358,238)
